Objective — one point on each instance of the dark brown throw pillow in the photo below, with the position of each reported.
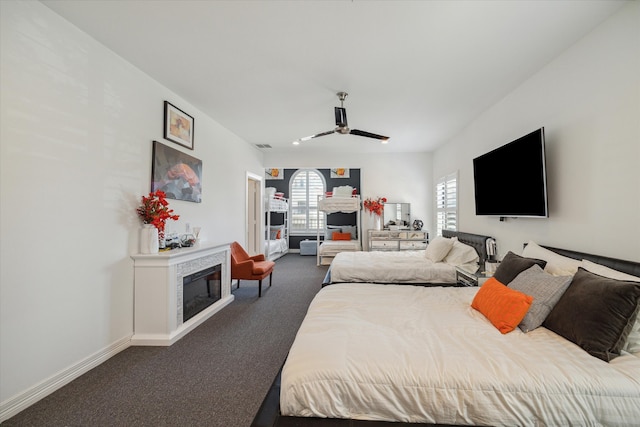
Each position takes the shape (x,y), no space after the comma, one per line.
(512,265)
(596,313)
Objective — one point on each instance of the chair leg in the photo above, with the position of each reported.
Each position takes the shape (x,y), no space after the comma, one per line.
(259,288)
(270,277)
(238,284)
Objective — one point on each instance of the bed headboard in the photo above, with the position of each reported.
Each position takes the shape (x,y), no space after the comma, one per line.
(629,267)
(477,241)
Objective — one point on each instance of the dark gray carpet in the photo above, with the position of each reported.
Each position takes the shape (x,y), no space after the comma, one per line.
(217,375)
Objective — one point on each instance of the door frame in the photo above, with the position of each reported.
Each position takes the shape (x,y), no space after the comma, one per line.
(254,233)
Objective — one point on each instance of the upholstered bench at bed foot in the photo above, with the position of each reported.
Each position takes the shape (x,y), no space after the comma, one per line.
(308,247)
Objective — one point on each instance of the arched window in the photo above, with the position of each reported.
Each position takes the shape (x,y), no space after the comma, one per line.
(306,186)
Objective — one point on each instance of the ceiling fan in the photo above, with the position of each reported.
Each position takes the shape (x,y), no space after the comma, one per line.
(341,125)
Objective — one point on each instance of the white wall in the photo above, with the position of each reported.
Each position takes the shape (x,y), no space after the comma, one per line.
(77,125)
(400,177)
(588,100)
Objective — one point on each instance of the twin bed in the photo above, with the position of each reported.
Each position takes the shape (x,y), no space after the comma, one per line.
(411,267)
(414,354)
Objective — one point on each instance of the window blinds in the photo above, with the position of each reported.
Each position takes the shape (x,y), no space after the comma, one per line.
(306,186)
(447,203)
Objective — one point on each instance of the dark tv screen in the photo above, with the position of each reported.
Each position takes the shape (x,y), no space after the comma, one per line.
(510,181)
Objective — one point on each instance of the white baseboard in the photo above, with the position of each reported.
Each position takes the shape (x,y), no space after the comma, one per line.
(22,401)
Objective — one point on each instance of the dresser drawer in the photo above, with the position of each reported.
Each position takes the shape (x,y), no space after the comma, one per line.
(412,245)
(379,234)
(418,235)
(384,244)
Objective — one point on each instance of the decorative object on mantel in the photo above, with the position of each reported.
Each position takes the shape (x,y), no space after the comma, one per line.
(155,211)
(375,207)
(149,243)
(178,125)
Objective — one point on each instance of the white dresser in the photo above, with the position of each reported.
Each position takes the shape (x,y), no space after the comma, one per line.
(397,240)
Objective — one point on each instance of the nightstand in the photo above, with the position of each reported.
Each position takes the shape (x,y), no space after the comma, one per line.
(465,277)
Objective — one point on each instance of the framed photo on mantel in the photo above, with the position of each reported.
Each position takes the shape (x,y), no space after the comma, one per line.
(178,126)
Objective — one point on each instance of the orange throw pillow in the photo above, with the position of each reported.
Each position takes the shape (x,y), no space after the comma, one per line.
(340,236)
(504,307)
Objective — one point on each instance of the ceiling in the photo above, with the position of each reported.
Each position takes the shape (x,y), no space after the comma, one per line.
(269,71)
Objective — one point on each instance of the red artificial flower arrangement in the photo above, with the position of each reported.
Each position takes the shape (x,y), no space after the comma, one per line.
(155,210)
(375,206)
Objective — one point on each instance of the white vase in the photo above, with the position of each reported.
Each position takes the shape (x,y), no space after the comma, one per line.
(148,239)
(377,222)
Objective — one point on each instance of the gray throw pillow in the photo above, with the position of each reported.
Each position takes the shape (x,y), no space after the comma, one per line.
(350,229)
(545,289)
(512,265)
(596,313)
(328,233)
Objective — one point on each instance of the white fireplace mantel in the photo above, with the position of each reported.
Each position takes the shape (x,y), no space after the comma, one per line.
(158,291)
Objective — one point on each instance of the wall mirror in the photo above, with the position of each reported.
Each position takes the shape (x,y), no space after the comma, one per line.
(397,214)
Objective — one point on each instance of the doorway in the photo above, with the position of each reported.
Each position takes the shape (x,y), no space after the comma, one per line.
(254,214)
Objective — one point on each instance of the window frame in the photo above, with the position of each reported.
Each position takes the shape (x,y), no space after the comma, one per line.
(311,202)
(446,202)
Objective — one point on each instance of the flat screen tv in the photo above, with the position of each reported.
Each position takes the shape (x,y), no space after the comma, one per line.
(510,181)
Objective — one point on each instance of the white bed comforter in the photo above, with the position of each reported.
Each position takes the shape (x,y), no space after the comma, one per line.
(390,267)
(415,354)
(276,246)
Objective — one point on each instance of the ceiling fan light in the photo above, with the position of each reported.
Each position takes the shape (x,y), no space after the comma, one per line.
(384,141)
(296,142)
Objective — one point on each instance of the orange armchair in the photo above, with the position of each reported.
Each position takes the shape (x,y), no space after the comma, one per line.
(247,267)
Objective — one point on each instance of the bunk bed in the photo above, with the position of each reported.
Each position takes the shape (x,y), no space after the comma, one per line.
(328,248)
(276,242)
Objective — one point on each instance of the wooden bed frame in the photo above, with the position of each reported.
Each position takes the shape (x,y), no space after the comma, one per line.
(476,241)
(269,413)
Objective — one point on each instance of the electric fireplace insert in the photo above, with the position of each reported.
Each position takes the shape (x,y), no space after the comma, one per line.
(201,290)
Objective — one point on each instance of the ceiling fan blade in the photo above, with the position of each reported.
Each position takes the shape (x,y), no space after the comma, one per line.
(306,138)
(341,117)
(368,134)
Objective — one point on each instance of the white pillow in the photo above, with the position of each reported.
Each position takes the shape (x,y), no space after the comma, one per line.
(438,248)
(460,254)
(633,341)
(270,192)
(342,191)
(607,272)
(557,264)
